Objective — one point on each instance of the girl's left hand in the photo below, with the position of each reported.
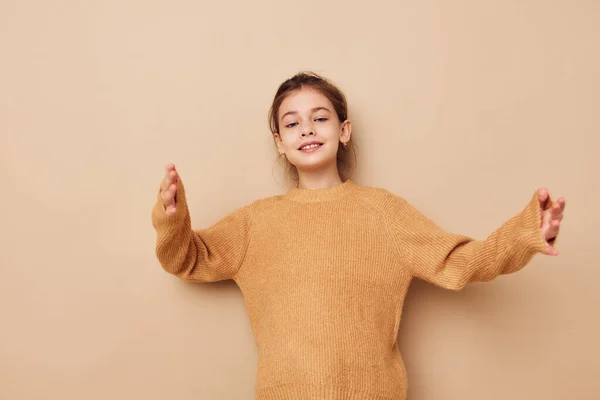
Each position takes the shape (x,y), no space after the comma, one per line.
(551,219)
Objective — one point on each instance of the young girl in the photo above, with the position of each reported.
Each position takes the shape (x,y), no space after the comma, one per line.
(325,267)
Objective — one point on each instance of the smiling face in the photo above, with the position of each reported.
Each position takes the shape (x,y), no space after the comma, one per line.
(310,131)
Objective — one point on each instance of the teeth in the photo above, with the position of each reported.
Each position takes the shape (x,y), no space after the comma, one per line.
(310,146)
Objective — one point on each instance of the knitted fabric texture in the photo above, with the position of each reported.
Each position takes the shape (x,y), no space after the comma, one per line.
(324,274)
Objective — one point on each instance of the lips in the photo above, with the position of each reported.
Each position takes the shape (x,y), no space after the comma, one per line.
(310,145)
(310,148)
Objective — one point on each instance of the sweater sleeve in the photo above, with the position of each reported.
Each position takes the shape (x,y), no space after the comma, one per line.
(451,260)
(211,254)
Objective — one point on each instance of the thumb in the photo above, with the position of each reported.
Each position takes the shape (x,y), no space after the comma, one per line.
(543,197)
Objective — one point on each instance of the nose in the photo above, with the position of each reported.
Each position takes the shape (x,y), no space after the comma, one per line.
(309,132)
(308,129)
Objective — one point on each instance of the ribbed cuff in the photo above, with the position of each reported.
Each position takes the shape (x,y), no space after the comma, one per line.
(322,392)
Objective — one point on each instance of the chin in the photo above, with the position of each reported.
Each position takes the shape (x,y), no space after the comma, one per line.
(312,165)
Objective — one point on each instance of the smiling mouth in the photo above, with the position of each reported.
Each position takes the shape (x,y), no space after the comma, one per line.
(310,147)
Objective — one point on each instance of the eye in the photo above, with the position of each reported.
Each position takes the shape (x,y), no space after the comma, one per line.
(291,125)
(322,119)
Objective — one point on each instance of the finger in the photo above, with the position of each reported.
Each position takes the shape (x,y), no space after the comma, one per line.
(543,196)
(169,179)
(562,203)
(552,230)
(166,181)
(545,219)
(172,192)
(168,196)
(169,167)
(550,251)
(557,212)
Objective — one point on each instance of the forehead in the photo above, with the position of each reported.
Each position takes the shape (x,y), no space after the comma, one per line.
(304,99)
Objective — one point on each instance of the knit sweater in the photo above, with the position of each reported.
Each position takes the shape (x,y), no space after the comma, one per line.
(324,274)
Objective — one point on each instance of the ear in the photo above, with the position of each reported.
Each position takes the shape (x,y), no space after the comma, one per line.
(345,131)
(279,143)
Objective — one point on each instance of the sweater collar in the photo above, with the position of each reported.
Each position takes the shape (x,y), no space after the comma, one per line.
(319,195)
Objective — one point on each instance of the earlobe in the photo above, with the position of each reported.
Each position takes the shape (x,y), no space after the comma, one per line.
(277,139)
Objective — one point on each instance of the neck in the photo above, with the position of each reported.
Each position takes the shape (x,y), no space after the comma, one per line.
(319,179)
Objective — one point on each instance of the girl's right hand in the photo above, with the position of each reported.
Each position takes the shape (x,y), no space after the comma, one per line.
(168,189)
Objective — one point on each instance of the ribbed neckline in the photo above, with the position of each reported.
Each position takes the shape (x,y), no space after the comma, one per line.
(319,195)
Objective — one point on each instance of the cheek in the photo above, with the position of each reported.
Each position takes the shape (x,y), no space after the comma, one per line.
(287,143)
(331,133)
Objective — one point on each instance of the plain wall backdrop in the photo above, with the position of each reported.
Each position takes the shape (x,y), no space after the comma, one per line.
(464,108)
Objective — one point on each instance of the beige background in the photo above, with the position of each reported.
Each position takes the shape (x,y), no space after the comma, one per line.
(462,107)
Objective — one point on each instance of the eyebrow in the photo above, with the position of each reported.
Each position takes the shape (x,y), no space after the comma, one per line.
(313,110)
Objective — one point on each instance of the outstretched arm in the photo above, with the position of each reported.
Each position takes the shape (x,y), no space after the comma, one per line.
(452,260)
(205,255)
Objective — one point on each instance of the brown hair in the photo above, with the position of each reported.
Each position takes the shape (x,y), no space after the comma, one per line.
(312,80)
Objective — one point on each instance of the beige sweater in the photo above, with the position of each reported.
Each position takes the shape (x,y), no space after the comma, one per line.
(324,273)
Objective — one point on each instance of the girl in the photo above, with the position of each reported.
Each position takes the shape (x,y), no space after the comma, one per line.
(325,267)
